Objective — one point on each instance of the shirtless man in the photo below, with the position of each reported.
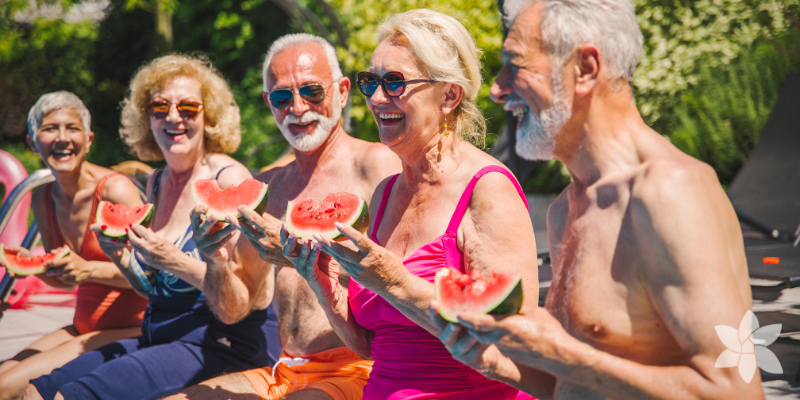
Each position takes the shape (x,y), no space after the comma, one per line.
(327,160)
(646,250)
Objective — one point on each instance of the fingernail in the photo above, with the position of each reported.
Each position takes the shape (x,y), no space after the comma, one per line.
(318,238)
(114,240)
(104,226)
(130,225)
(126,230)
(338,225)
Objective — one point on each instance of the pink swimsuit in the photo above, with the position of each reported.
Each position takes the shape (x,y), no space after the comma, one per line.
(410,363)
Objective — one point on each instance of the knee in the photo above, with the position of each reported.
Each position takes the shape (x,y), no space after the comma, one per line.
(31,393)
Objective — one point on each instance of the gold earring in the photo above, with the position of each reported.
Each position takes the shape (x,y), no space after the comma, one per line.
(446,133)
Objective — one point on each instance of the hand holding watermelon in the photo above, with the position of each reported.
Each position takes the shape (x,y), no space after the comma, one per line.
(71,269)
(20,262)
(210,236)
(112,247)
(264,233)
(152,250)
(17,251)
(371,265)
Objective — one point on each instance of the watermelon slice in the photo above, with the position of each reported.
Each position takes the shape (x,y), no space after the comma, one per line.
(458,293)
(223,202)
(118,217)
(22,266)
(307,217)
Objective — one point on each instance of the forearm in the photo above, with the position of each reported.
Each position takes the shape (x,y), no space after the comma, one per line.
(619,378)
(108,274)
(412,296)
(185,267)
(337,309)
(226,294)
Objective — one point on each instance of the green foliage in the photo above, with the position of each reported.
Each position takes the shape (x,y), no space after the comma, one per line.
(719,120)
(30,160)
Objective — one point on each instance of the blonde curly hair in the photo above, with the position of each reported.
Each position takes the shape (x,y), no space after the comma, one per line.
(222,132)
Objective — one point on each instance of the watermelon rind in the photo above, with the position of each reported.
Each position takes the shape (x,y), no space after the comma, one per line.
(20,270)
(120,231)
(359,221)
(259,205)
(508,301)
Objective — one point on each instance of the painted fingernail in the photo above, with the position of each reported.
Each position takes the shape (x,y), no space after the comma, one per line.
(104,226)
(318,238)
(114,240)
(338,225)
(130,225)
(126,230)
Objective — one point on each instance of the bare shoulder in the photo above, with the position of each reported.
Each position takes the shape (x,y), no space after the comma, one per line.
(120,189)
(274,173)
(233,173)
(674,183)
(495,186)
(375,159)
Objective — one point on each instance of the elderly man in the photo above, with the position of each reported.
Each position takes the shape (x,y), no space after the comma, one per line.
(306,91)
(646,250)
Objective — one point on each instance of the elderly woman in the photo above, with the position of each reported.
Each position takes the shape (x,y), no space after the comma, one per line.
(107,309)
(181,110)
(446,209)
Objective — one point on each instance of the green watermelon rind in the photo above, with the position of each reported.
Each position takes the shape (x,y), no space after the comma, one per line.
(360,222)
(510,302)
(259,206)
(121,232)
(19,271)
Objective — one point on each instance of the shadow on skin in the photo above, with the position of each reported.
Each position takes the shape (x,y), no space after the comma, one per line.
(203,392)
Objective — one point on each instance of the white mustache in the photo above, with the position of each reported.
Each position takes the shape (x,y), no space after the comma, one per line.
(308,116)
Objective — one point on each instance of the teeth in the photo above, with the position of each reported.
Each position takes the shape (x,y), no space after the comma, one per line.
(519,111)
(62,152)
(391,116)
(171,132)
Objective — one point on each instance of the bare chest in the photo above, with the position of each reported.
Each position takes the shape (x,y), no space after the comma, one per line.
(597,292)
(174,207)
(73,217)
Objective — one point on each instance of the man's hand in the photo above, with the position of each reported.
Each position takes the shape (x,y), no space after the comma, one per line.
(529,340)
(318,269)
(264,233)
(466,348)
(210,236)
(71,270)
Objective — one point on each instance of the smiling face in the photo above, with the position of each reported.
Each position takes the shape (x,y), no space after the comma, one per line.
(175,134)
(413,119)
(305,125)
(532,88)
(61,140)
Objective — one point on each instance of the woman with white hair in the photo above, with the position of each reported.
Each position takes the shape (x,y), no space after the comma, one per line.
(446,209)
(107,309)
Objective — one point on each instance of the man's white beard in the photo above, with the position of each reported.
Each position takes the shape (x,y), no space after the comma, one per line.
(536,135)
(324,125)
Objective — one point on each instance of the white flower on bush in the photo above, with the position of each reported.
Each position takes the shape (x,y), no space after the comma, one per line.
(747,347)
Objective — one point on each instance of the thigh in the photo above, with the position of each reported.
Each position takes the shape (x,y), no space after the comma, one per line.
(48,342)
(226,387)
(309,394)
(45,362)
(150,373)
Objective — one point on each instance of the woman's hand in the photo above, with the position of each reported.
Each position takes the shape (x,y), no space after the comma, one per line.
(372,266)
(152,250)
(264,233)
(71,270)
(210,236)
(16,250)
(115,249)
(319,270)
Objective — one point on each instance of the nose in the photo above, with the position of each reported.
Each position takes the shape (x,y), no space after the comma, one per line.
(299,106)
(502,85)
(62,135)
(173,115)
(379,97)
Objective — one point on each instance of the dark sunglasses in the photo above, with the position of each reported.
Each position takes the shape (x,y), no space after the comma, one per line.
(282,98)
(393,83)
(188,109)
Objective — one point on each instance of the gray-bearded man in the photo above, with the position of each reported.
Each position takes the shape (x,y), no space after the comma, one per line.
(646,250)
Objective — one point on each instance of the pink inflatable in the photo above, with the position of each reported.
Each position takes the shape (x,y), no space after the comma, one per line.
(11,174)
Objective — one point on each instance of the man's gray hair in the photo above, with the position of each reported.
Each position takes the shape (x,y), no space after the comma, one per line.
(299,39)
(567,24)
(56,101)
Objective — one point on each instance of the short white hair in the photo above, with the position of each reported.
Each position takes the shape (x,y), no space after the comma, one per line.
(56,101)
(567,24)
(299,39)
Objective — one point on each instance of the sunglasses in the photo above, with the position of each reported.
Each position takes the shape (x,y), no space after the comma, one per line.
(188,109)
(281,99)
(393,83)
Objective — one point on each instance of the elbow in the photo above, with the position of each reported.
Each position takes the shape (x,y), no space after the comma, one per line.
(228,317)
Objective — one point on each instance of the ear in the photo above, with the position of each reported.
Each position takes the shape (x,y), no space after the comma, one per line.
(344,90)
(452,98)
(587,69)
(32,144)
(90,141)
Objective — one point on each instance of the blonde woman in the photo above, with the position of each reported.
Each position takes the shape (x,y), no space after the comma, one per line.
(182,111)
(452,206)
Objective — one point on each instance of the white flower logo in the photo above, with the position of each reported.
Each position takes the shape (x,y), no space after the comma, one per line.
(747,348)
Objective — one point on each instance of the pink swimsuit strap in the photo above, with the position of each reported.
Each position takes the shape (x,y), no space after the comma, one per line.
(463,202)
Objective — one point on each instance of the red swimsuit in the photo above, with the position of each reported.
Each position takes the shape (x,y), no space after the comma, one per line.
(98,306)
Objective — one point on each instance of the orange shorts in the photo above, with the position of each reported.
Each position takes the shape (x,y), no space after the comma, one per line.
(338,372)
